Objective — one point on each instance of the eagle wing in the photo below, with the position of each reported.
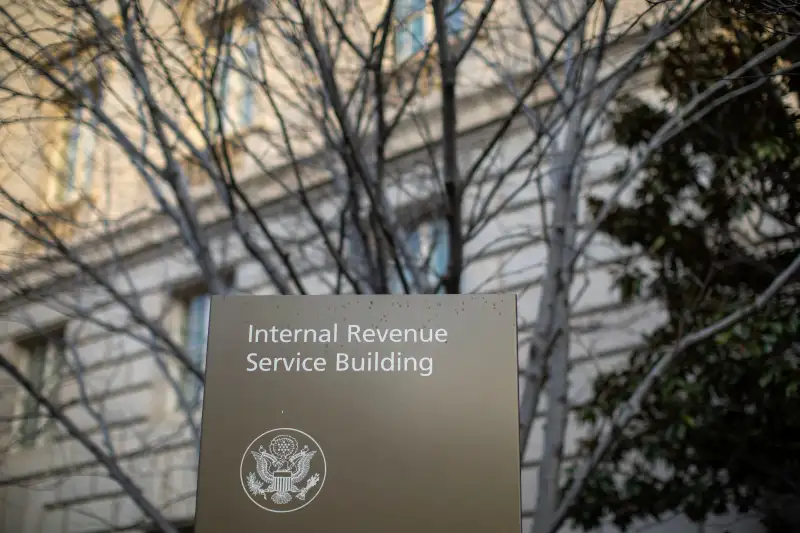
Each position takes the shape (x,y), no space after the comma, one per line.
(263,462)
(303,466)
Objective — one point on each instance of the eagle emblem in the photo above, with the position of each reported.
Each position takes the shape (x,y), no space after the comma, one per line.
(281,480)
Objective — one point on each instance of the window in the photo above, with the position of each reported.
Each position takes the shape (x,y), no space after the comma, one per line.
(223,81)
(411,20)
(42,360)
(193,310)
(428,246)
(234,84)
(77,157)
(216,103)
(410,32)
(248,76)
(454,17)
(194,313)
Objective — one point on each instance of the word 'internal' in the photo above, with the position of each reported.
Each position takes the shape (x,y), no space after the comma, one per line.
(354,334)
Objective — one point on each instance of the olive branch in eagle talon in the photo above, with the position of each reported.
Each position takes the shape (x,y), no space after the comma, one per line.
(255,487)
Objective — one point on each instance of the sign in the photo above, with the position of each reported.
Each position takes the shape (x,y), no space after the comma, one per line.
(360,414)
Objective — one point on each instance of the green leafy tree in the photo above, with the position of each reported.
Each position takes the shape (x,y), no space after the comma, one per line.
(716,215)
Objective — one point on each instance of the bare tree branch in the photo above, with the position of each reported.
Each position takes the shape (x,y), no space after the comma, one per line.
(110,464)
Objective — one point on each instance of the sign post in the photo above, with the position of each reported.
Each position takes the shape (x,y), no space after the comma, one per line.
(360,414)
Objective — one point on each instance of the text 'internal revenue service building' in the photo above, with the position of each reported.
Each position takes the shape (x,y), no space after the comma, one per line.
(361,414)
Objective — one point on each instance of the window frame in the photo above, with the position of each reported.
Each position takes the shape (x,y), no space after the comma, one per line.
(233,87)
(428,242)
(74,163)
(180,304)
(410,16)
(414,16)
(191,388)
(77,151)
(70,153)
(251,56)
(219,90)
(53,359)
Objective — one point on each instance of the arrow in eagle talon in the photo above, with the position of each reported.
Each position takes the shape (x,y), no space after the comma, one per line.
(311,483)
